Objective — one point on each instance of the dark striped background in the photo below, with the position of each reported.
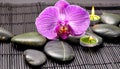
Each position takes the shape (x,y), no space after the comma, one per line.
(20,19)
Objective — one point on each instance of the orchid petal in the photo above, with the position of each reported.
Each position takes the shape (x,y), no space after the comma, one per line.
(61,4)
(78,19)
(46,22)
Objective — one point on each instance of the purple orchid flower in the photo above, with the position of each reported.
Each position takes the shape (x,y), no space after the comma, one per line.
(61,20)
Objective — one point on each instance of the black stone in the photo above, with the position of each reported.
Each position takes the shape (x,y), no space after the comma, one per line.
(59,50)
(107,30)
(30,39)
(94,22)
(110,18)
(74,39)
(5,34)
(34,57)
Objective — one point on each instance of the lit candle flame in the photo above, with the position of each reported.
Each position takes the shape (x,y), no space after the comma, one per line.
(93,11)
(94,17)
(90,38)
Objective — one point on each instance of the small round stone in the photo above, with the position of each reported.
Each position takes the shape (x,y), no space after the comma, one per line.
(73,39)
(34,57)
(59,50)
(94,22)
(5,34)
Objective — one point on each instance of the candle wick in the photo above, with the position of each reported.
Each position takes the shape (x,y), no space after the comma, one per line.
(90,39)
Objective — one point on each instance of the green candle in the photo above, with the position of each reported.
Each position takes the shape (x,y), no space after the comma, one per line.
(88,41)
(94,18)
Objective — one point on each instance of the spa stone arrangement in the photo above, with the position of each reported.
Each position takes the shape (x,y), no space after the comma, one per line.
(63,26)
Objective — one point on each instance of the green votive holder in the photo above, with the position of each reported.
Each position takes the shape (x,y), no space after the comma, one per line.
(88,41)
(94,19)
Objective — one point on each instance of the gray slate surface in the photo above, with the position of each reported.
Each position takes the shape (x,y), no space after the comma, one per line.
(104,3)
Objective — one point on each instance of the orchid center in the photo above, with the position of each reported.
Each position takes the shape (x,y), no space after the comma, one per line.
(63,29)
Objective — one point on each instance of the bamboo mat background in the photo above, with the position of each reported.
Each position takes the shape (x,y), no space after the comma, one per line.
(20,18)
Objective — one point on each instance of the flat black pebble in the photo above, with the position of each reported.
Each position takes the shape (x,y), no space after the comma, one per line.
(31,39)
(107,30)
(110,18)
(34,57)
(59,50)
(5,34)
(94,22)
(74,39)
